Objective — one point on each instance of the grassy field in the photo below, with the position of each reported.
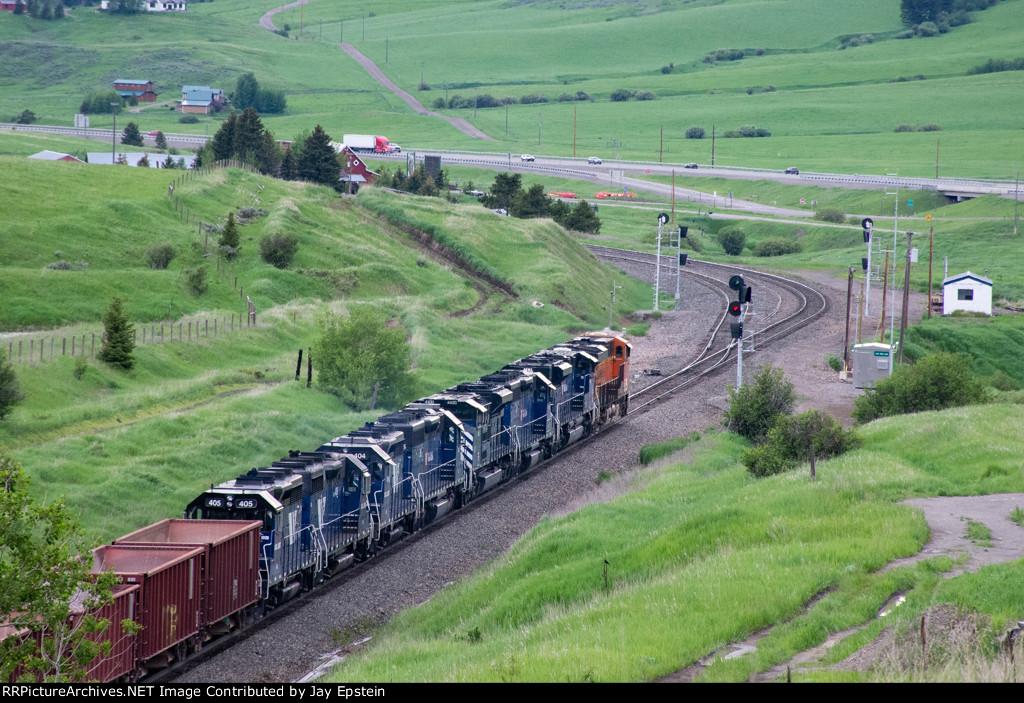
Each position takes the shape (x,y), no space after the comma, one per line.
(825,106)
(199,412)
(700,554)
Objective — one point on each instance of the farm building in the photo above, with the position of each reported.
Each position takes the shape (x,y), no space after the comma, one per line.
(202,99)
(47,155)
(355,171)
(968,292)
(141,90)
(8,4)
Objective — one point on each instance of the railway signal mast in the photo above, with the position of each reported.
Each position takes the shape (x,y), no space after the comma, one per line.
(662,219)
(738,308)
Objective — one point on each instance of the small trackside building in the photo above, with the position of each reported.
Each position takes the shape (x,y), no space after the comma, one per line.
(968,292)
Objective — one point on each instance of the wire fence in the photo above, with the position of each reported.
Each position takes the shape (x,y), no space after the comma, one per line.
(38,348)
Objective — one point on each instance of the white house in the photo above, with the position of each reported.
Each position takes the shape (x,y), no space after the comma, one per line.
(968,292)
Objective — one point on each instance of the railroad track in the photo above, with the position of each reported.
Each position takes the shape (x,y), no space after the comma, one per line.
(781,306)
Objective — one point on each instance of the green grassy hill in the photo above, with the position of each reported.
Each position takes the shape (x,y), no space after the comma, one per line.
(827,102)
(700,555)
(141,444)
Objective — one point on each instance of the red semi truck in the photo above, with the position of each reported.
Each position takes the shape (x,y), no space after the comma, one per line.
(370,143)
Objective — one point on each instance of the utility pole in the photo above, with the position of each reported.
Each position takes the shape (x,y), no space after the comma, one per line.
(846,337)
(906,296)
(931,252)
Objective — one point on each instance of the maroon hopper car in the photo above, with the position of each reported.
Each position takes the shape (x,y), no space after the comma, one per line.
(231,563)
(169,609)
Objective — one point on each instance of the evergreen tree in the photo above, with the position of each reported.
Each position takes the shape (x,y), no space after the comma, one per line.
(132,136)
(506,187)
(248,136)
(144,161)
(229,236)
(10,391)
(270,156)
(584,219)
(289,169)
(118,337)
(161,141)
(19,8)
(58,11)
(560,212)
(224,140)
(531,203)
(319,162)
(46,13)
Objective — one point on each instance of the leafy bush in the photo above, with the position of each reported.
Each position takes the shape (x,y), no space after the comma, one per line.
(904,128)
(939,381)
(834,362)
(747,130)
(26,117)
(81,366)
(159,256)
(733,240)
(188,119)
(668,69)
(278,250)
(533,98)
(755,407)
(621,95)
(833,215)
(353,354)
(644,95)
(196,281)
(929,128)
(695,133)
(996,65)
(776,246)
(790,440)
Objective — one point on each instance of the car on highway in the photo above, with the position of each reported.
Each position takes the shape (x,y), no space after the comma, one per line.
(527,157)
(793,171)
(153,134)
(690,165)
(594,160)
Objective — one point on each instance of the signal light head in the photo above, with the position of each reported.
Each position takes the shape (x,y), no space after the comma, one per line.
(735,308)
(736,282)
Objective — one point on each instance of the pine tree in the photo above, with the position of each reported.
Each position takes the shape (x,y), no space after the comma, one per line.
(224,140)
(583,219)
(229,236)
(289,169)
(319,162)
(248,136)
(143,162)
(161,141)
(132,136)
(118,337)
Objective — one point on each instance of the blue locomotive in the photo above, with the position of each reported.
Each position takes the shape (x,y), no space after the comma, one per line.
(322,510)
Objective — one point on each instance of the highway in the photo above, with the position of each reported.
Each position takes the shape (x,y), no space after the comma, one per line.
(614,175)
